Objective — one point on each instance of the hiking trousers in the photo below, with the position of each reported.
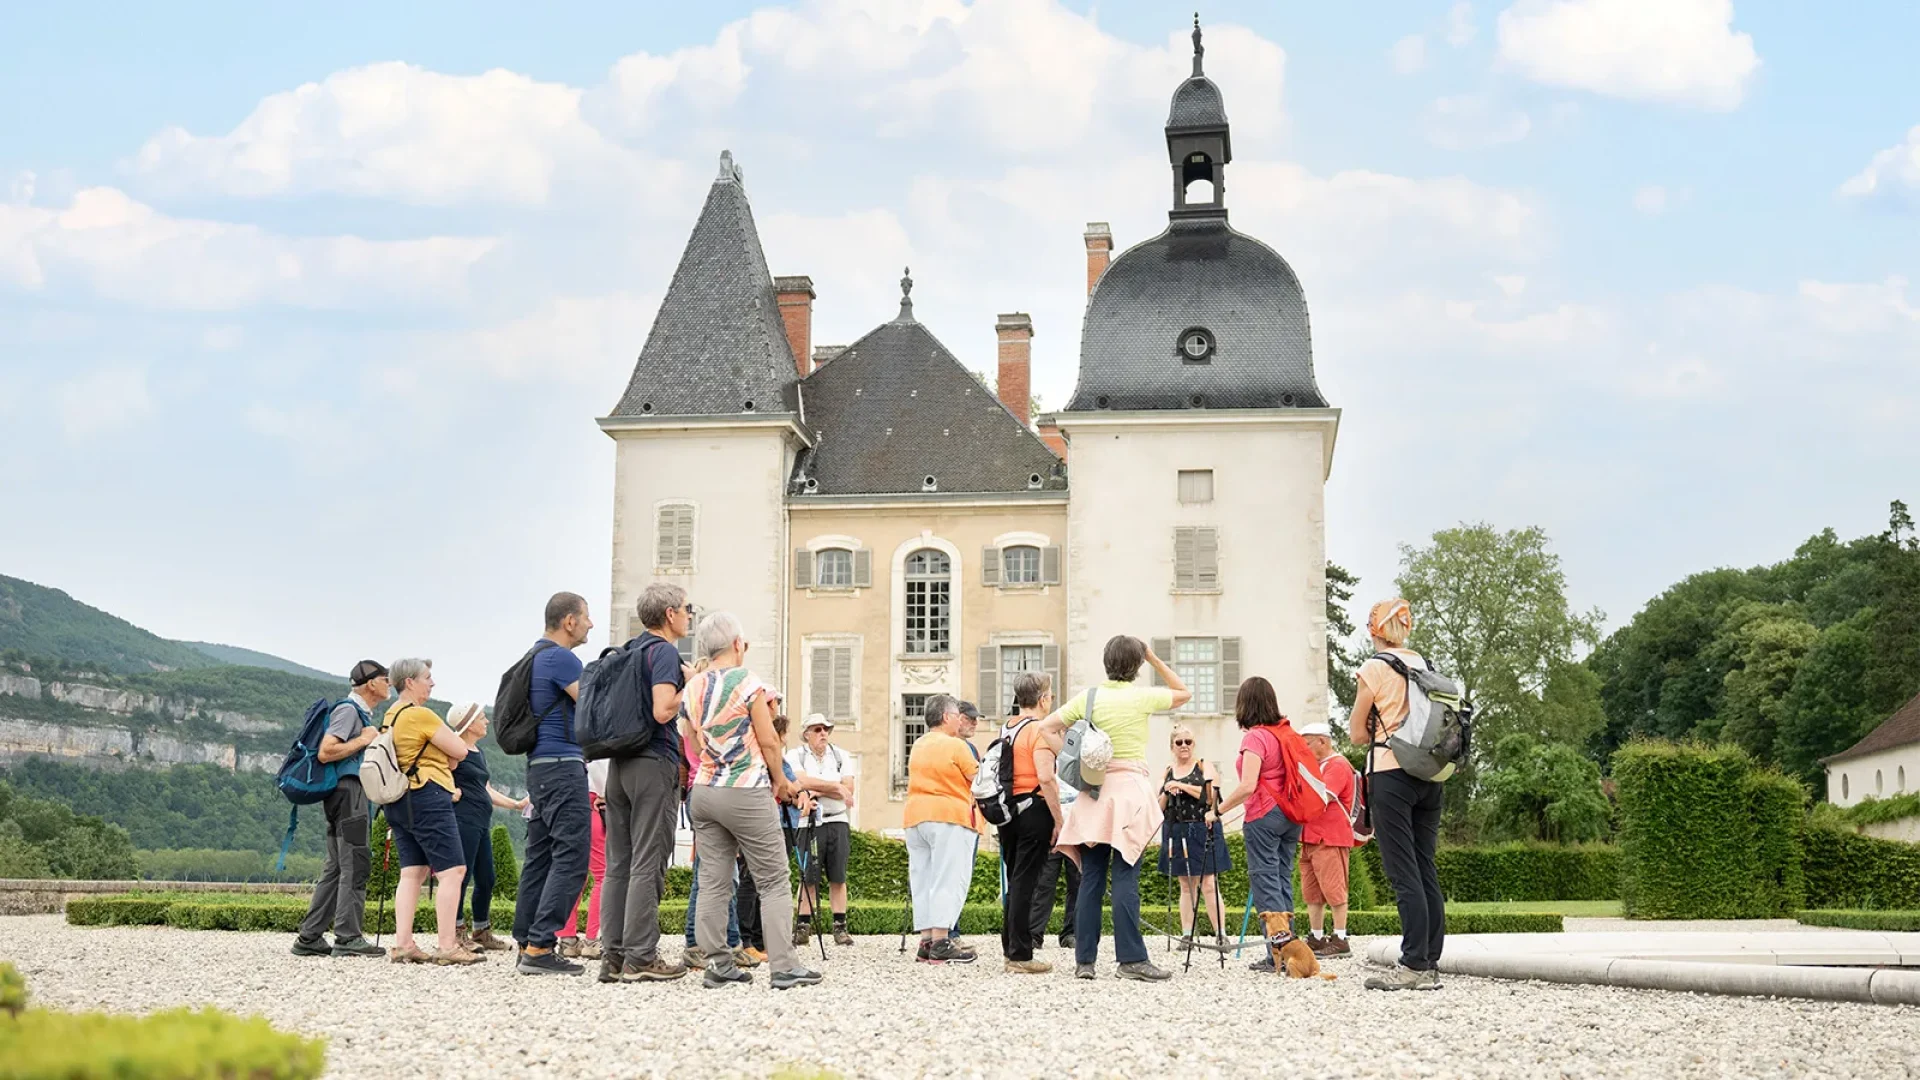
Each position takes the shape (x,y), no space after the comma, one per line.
(1042,914)
(1023,845)
(340,896)
(1406,822)
(729,823)
(643,799)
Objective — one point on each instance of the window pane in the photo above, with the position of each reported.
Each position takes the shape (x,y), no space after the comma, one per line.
(1015,659)
(1020,565)
(833,568)
(929,592)
(1196,485)
(1197,662)
(913,724)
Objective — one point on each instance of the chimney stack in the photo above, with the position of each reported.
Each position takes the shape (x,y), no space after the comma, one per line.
(1055,439)
(1099,252)
(795,297)
(1015,331)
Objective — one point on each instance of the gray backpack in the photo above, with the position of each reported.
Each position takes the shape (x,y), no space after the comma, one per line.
(1081,737)
(1437,734)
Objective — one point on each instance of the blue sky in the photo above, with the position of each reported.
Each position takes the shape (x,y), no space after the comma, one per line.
(305,318)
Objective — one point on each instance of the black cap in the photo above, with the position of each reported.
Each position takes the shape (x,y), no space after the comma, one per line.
(366,671)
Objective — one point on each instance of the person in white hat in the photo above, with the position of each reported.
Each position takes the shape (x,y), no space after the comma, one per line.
(1326,842)
(821,768)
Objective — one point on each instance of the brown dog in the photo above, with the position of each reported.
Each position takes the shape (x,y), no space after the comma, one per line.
(1291,956)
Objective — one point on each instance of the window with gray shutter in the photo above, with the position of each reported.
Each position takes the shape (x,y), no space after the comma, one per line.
(989,565)
(1050,663)
(673,530)
(1162,648)
(843,683)
(830,682)
(1196,485)
(1050,565)
(1196,558)
(1229,674)
(802,569)
(863,569)
(990,680)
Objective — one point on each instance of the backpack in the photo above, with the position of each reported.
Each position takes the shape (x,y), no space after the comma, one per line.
(993,785)
(1085,749)
(380,772)
(614,717)
(515,727)
(1301,792)
(1437,734)
(303,778)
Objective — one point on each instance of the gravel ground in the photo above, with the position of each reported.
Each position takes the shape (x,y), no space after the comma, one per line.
(879,1014)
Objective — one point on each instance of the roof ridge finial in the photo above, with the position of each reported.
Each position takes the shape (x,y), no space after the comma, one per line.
(906,295)
(1199,50)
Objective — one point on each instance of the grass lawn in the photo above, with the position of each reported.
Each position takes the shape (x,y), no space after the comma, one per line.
(1580,909)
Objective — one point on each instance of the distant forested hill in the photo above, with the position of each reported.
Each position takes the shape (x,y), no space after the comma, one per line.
(36,621)
(234,654)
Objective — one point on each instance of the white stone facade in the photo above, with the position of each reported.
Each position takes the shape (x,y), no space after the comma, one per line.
(1878,775)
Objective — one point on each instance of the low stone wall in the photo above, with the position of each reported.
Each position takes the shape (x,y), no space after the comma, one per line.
(1906,829)
(21,896)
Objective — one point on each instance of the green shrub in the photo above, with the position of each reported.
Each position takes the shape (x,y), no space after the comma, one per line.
(1777,812)
(13,990)
(1685,838)
(1892,921)
(1517,871)
(386,862)
(1846,870)
(131,910)
(181,1043)
(1872,811)
(506,868)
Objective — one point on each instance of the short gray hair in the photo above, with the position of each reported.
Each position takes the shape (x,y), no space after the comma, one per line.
(410,668)
(717,633)
(656,600)
(934,710)
(1029,687)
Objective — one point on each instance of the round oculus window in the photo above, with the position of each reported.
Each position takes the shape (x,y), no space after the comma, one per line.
(1196,345)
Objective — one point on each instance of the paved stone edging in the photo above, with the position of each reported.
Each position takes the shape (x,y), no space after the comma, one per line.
(40,896)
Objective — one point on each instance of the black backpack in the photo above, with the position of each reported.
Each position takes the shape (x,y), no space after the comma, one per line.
(615,716)
(515,727)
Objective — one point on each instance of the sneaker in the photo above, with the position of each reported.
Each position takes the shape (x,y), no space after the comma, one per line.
(963,948)
(800,976)
(1066,941)
(1029,967)
(1144,971)
(1338,946)
(591,950)
(569,947)
(945,951)
(610,968)
(486,940)
(713,980)
(356,946)
(458,956)
(921,954)
(546,963)
(694,958)
(1429,980)
(1400,978)
(749,957)
(841,937)
(1319,945)
(802,933)
(658,970)
(1263,966)
(1083,971)
(316,947)
(409,955)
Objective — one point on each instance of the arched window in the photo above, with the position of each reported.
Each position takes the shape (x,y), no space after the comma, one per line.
(1843,786)
(833,568)
(929,581)
(1020,565)
(1901,776)
(1879,782)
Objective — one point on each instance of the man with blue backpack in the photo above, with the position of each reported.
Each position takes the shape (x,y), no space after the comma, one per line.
(340,896)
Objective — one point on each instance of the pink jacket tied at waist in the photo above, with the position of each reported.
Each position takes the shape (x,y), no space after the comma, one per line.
(1125,817)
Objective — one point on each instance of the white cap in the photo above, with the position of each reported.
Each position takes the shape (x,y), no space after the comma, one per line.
(1315,727)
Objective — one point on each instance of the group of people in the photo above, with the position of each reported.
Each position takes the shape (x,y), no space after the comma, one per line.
(715,730)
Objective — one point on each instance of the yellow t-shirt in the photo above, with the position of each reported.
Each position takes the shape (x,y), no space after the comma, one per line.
(1121,711)
(940,780)
(413,729)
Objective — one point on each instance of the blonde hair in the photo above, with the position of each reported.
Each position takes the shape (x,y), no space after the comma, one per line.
(1391,621)
(1175,733)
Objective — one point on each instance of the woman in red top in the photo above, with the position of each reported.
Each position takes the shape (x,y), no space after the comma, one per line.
(1271,836)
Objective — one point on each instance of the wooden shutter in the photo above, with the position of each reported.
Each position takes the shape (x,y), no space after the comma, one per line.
(989,565)
(1050,661)
(1206,559)
(663,537)
(820,680)
(1229,673)
(1162,648)
(862,568)
(990,703)
(802,568)
(842,704)
(1183,564)
(685,537)
(1050,565)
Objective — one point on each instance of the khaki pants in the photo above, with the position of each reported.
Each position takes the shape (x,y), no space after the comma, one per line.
(744,822)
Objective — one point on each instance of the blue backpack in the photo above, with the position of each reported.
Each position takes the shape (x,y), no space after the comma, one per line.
(303,778)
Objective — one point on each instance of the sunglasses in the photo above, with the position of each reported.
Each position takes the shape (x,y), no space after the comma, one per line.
(1183,742)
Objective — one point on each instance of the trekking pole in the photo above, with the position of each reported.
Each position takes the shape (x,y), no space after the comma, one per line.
(1199,896)
(813,888)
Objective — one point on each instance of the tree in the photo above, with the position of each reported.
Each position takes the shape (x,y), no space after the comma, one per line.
(1343,653)
(1541,791)
(1828,707)
(1900,526)
(1767,643)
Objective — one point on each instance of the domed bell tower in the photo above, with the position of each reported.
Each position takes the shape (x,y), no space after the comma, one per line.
(1199,144)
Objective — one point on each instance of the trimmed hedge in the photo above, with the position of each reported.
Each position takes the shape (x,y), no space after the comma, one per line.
(1776,812)
(1517,871)
(1844,869)
(1894,921)
(40,1045)
(13,990)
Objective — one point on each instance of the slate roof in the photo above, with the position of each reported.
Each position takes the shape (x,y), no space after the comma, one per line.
(717,343)
(1198,273)
(1197,103)
(1900,729)
(897,407)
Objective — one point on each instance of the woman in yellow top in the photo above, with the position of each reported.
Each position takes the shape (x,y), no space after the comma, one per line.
(940,836)
(424,828)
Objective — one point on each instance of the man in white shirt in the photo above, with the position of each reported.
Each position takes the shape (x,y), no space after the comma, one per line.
(821,768)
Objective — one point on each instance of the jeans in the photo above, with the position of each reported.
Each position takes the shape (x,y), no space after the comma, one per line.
(477,838)
(1042,914)
(557,839)
(693,905)
(1271,842)
(1023,845)
(643,798)
(1406,822)
(340,896)
(1129,947)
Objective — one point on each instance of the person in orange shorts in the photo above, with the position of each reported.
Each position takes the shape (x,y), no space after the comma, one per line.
(1326,842)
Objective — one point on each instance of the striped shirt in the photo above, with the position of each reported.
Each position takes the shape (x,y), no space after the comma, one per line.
(720,705)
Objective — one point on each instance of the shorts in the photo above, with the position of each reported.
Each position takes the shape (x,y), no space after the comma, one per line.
(425,830)
(836,840)
(1323,874)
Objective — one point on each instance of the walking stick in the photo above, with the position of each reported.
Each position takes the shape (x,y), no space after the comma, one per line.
(1186,855)
(812,889)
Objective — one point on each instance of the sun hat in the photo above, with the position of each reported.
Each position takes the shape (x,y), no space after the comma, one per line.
(1315,727)
(462,716)
(815,720)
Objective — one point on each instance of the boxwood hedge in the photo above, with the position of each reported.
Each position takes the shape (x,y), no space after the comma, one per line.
(41,1045)
(1892,921)
(1844,869)
(1517,871)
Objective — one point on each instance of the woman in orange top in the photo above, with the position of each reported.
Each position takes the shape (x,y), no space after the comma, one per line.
(940,836)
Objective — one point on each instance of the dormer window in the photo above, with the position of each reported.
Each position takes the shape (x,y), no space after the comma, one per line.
(1196,345)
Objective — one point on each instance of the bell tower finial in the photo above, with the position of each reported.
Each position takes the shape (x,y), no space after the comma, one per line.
(1199,50)
(906,295)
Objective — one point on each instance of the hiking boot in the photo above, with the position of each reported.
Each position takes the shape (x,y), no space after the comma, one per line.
(409,955)
(1338,946)
(749,957)
(802,933)
(458,956)
(1143,971)
(1029,967)
(963,948)
(945,951)
(610,968)
(1318,945)
(841,937)
(800,976)
(546,963)
(1262,966)
(488,942)
(1429,980)
(921,954)
(657,970)
(713,979)
(1066,941)
(591,950)
(1083,971)
(316,947)
(1400,978)
(694,958)
(569,947)
(355,946)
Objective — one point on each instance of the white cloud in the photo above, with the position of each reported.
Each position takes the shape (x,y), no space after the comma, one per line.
(1851,308)
(1409,54)
(1680,51)
(1460,28)
(1893,172)
(1511,284)
(580,339)
(1650,199)
(1474,121)
(102,401)
(125,250)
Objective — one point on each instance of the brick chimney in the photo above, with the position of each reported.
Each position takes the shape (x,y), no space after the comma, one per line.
(795,296)
(1015,331)
(1099,252)
(1055,439)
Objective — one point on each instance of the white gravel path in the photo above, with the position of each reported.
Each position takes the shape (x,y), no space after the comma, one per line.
(879,1014)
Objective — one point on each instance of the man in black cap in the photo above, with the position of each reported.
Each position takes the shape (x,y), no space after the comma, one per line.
(340,896)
